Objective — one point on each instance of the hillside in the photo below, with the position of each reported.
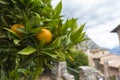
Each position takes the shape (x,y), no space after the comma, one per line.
(115,50)
(88,44)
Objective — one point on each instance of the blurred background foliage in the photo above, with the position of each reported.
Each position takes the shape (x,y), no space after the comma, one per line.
(79,59)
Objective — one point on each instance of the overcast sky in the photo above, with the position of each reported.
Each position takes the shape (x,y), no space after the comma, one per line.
(101,16)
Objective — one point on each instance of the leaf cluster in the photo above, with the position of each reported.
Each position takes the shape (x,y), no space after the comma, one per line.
(25,56)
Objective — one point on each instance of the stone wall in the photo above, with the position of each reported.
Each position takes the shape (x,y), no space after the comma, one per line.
(89,73)
(59,73)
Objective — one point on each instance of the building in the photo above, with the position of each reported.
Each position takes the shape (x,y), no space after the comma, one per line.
(117,30)
(105,62)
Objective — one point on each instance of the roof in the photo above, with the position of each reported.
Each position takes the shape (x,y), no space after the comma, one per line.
(113,60)
(116,29)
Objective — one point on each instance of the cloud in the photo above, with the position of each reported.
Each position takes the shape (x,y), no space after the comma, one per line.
(101,17)
(103,37)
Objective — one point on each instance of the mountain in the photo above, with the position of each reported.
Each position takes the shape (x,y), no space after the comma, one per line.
(115,50)
(88,44)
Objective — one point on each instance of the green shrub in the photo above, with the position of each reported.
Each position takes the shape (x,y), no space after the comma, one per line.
(79,59)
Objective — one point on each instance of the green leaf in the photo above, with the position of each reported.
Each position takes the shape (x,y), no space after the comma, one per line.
(28,50)
(2,2)
(28,24)
(3,20)
(21,30)
(38,72)
(41,44)
(36,30)
(65,27)
(12,73)
(61,56)
(50,66)
(80,38)
(58,9)
(3,36)
(56,43)
(24,71)
(12,17)
(12,32)
(49,54)
(72,23)
(53,23)
(76,33)
(69,26)
(16,41)
(3,77)
(73,70)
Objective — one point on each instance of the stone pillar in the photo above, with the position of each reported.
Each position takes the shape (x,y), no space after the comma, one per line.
(58,71)
(118,32)
(119,70)
(90,59)
(97,65)
(106,70)
(62,73)
(82,75)
(118,77)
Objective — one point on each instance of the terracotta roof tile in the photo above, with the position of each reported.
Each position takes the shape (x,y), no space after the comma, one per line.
(113,60)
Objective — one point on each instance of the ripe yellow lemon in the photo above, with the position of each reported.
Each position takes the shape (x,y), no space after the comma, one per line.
(14,28)
(45,35)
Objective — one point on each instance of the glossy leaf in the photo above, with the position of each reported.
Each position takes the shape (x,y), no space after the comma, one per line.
(12,32)
(52,55)
(2,76)
(24,71)
(58,9)
(56,43)
(65,27)
(16,41)
(28,50)
(2,2)
(39,70)
(77,33)
(53,23)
